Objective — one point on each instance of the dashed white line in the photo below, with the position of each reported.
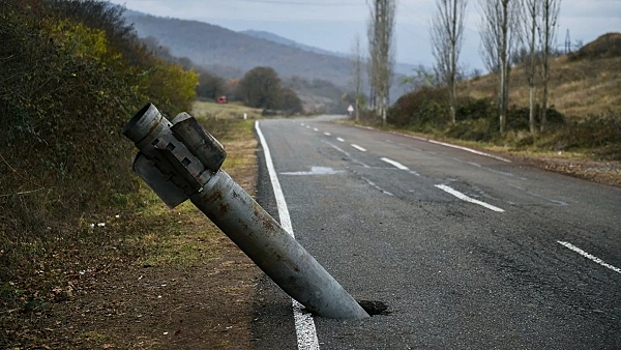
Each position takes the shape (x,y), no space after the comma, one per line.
(589,256)
(399,166)
(315,129)
(304,324)
(340,139)
(308,127)
(465,198)
(395,164)
(347,154)
(361,149)
(326,133)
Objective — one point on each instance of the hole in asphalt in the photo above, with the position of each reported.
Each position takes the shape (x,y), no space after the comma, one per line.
(374,307)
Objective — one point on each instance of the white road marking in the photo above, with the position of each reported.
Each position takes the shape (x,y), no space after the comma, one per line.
(400,166)
(315,170)
(315,129)
(358,148)
(395,164)
(463,197)
(492,170)
(326,133)
(304,324)
(308,127)
(340,139)
(453,146)
(588,256)
(347,154)
(302,124)
(470,150)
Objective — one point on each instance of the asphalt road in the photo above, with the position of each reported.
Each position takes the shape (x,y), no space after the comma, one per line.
(468,251)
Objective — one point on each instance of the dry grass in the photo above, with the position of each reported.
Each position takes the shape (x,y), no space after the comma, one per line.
(106,300)
(190,237)
(233,110)
(577,89)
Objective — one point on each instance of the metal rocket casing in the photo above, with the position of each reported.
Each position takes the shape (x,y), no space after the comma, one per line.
(165,161)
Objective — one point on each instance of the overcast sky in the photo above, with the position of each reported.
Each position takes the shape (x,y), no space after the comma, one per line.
(332,25)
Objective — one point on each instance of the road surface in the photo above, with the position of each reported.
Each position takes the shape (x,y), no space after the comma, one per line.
(468,250)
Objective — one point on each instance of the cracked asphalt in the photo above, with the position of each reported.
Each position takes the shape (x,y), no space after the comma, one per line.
(412,224)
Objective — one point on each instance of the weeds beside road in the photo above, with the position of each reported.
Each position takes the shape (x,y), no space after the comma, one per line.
(146,277)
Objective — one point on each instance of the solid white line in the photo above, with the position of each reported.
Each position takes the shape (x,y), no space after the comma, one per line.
(589,256)
(304,323)
(470,150)
(358,148)
(326,133)
(453,146)
(340,139)
(395,164)
(463,197)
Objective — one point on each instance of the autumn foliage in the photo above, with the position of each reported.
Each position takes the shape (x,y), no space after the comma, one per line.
(71,74)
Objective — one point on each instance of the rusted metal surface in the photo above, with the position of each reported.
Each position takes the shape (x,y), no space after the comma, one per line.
(275,251)
(204,146)
(180,162)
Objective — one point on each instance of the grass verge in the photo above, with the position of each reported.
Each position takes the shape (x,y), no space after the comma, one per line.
(146,277)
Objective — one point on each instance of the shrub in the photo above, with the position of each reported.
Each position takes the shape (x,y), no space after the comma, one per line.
(474,130)
(602,132)
(472,108)
(420,109)
(70,78)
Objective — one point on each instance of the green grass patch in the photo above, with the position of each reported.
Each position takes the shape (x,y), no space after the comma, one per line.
(184,236)
(231,110)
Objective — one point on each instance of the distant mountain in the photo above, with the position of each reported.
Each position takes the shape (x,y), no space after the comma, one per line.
(207,44)
(284,41)
(230,54)
(400,68)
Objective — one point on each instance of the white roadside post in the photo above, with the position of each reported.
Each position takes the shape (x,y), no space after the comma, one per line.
(181,161)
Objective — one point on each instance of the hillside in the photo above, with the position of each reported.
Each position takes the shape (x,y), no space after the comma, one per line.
(208,44)
(400,68)
(582,83)
(230,54)
(260,34)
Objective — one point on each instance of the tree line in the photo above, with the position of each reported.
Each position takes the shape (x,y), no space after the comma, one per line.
(71,74)
(259,88)
(507,27)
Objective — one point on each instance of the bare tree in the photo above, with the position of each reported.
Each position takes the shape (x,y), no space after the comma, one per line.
(498,37)
(531,11)
(357,63)
(381,52)
(547,32)
(423,77)
(447,29)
